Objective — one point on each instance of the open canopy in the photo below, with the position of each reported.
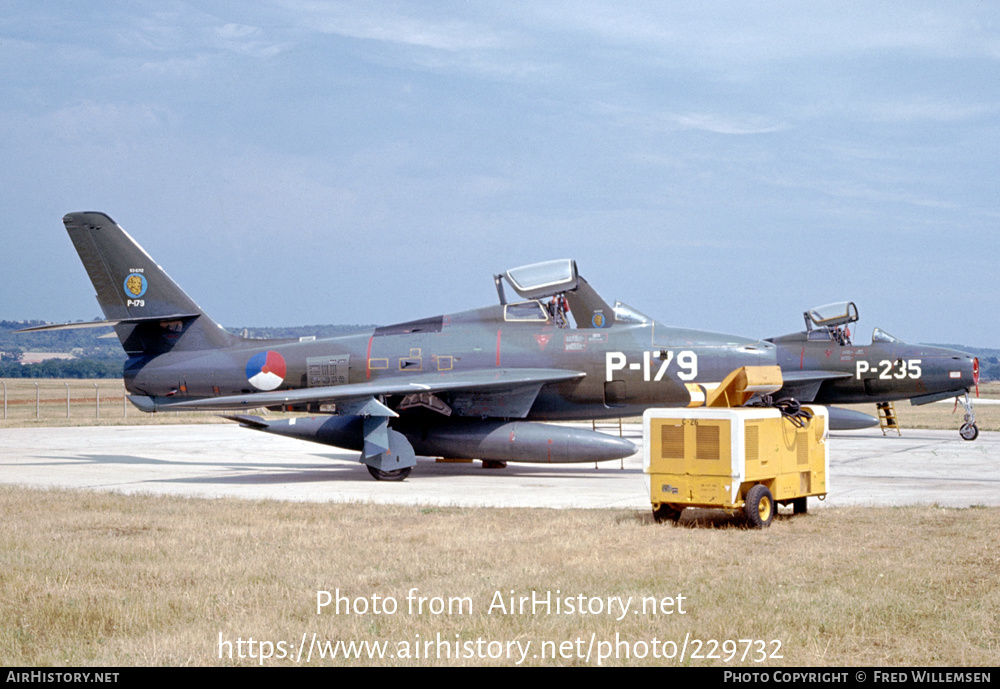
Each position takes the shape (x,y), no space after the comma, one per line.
(546,279)
(832,315)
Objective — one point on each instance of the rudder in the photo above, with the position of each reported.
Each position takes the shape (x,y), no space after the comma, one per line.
(157,316)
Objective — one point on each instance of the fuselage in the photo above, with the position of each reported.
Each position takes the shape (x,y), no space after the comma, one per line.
(630,365)
(886,370)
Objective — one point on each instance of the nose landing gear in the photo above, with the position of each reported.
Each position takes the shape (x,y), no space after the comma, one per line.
(969,429)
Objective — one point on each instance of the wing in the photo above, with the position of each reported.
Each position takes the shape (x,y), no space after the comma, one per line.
(500,392)
(803,385)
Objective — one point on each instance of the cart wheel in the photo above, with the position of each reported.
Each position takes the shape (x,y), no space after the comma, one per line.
(666,512)
(759,506)
(800,506)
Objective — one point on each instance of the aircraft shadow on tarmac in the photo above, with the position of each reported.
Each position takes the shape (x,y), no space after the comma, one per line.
(344,469)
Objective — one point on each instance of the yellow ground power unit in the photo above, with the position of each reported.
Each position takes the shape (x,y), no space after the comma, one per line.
(747,459)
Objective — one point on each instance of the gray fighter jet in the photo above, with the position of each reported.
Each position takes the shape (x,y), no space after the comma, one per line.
(471,385)
(824,365)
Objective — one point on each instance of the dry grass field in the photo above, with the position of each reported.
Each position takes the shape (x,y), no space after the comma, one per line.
(104,579)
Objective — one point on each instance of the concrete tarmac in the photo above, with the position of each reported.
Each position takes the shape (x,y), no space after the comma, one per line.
(920,467)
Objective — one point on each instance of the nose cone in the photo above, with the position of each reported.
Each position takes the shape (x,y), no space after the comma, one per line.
(967,367)
(961,369)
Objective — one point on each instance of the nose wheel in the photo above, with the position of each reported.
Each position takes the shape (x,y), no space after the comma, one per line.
(969,429)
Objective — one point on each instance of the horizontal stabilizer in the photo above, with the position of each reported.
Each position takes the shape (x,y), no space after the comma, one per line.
(101,324)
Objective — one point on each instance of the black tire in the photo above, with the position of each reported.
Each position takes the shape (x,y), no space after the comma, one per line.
(667,513)
(759,507)
(800,506)
(395,475)
(969,431)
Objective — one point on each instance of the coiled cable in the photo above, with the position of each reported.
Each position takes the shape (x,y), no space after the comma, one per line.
(793,411)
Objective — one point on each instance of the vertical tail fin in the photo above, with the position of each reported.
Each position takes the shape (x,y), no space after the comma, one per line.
(157,315)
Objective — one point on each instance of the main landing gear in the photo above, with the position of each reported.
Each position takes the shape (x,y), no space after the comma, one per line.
(394,475)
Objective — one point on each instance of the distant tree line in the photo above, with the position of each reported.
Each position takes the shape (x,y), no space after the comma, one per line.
(991,371)
(989,359)
(64,368)
(83,342)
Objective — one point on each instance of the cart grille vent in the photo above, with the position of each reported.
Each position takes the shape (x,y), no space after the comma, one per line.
(708,442)
(802,446)
(671,442)
(753,443)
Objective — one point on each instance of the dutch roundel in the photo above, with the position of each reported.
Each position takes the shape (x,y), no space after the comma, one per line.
(266,371)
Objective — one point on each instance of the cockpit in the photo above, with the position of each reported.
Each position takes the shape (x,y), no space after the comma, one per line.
(833,322)
(626,314)
(880,335)
(554,291)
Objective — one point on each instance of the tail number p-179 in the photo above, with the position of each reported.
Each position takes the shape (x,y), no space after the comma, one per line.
(887,370)
(687,362)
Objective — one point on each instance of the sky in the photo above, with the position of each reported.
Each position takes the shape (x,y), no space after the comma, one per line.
(723,166)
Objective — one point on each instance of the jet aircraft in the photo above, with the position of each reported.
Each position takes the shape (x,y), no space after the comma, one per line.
(823,365)
(472,385)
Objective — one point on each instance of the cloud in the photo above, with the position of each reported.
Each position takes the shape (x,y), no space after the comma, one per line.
(726,124)
(245,40)
(192,33)
(738,32)
(927,110)
(717,123)
(378,23)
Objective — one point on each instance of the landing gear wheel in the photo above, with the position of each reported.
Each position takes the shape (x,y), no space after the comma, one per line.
(800,506)
(969,431)
(759,507)
(667,513)
(395,475)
